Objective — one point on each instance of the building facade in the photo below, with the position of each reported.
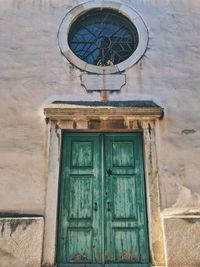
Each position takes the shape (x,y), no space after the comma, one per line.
(100,137)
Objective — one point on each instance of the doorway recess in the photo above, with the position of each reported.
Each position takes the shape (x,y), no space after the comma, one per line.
(96,117)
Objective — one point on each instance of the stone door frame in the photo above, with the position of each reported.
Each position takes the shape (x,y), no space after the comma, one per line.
(69,117)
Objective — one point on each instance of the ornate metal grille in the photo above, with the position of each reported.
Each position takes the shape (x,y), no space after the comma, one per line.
(103,37)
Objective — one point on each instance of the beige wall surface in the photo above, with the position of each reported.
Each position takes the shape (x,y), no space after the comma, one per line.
(33,73)
(21,241)
(182,241)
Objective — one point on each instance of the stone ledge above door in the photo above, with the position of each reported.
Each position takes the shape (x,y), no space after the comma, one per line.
(119,115)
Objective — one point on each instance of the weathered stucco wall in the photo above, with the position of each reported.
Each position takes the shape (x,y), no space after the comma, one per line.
(21,241)
(33,74)
(182,241)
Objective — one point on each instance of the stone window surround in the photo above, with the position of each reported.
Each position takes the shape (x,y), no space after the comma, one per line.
(61,117)
(127,11)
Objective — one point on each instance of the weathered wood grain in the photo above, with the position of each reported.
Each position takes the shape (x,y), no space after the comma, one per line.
(102,218)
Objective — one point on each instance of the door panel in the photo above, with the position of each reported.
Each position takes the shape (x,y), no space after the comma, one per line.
(80,207)
(102,218)
(122,154)
(80,230)
(124,195)
(125,219)
(126,247)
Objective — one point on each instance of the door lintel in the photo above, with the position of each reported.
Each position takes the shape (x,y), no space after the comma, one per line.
(93,110)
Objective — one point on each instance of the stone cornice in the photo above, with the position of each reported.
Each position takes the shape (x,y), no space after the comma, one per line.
(72,111)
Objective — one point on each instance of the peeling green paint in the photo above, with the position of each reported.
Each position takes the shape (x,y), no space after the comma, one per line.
(102,216)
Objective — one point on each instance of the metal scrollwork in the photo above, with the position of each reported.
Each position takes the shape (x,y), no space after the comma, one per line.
(103,37)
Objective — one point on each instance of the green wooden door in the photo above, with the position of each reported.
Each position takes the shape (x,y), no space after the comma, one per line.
(102,215)
(125,213)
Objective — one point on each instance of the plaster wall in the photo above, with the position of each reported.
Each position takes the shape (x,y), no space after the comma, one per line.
(33,73)
(182,250)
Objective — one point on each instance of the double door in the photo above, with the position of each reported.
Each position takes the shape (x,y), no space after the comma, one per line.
(102,215)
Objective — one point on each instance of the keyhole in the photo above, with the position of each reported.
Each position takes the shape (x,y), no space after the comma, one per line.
(108,206)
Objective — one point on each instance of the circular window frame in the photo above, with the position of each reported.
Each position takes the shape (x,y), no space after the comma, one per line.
(128,12)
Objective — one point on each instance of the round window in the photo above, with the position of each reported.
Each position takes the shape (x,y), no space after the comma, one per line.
(103,37)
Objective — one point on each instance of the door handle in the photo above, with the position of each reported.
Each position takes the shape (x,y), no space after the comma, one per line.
(95,206)
(109,172)
(108,206)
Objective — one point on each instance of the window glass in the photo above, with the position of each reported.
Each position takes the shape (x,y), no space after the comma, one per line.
(103,37)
